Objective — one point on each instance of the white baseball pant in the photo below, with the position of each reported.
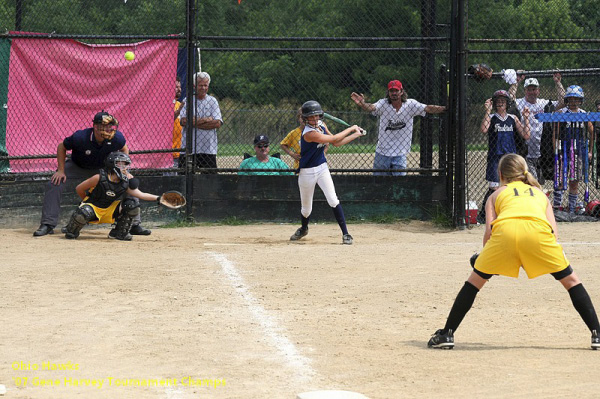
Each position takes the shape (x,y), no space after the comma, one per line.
(307,179)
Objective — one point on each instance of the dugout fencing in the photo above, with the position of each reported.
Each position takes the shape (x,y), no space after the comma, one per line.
(58,71)
(60,64)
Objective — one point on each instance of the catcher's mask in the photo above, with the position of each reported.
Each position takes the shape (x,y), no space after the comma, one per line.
(311,108)
(117,162)
(106,124)
(498,94)
(593,208)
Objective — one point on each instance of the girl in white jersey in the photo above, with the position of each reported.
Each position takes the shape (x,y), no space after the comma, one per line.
(313,166)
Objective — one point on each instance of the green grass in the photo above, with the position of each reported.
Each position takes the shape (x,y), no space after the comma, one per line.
(440,217)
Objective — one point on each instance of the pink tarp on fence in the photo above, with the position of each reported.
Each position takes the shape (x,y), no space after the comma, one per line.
(56,86)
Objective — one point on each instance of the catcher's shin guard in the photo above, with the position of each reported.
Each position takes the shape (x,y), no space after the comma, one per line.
(79,218)
(129,210)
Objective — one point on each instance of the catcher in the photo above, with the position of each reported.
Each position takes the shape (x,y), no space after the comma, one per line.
(104,199)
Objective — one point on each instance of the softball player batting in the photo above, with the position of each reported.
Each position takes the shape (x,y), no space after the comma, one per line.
(524,235)
(313,168)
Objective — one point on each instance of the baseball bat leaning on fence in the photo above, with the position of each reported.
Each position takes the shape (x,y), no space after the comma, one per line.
(556,162)
(565,164)
(340,121)
(586,163)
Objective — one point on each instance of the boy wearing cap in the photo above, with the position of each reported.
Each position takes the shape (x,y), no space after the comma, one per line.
(89,147)
(263,160)
(396,113)
(536,106)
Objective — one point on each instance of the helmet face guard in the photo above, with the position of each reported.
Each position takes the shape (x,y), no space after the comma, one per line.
(499,94)
(118,163)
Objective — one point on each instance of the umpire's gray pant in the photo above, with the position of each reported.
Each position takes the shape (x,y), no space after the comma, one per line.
(53,193)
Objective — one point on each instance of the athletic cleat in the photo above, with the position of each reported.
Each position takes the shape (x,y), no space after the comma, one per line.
(347,239)
(299,234)
(595,340)
(138,230)
(114,234)
(71,236)
(442,341)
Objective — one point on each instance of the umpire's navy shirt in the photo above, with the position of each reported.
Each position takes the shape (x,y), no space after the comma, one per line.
(87,153)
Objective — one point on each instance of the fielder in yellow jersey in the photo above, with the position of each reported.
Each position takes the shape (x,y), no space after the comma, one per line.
(520,231)
(523,234)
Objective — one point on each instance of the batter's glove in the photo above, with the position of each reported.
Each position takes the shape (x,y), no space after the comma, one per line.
(172,199)
(480,72)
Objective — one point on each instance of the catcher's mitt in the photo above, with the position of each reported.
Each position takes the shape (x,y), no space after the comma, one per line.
(172,199)
(480,72)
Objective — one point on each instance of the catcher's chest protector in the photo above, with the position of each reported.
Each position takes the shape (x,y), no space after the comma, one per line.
(107,192)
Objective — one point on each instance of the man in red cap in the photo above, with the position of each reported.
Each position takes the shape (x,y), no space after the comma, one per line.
(396,113)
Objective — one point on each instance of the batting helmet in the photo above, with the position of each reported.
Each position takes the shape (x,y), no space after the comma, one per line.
(310,108)
(112,161)
(574,91)
(593,208)
(498,94)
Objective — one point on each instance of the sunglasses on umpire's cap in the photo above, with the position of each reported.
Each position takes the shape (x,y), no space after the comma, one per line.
(395,84)
(261,139)
(104,118)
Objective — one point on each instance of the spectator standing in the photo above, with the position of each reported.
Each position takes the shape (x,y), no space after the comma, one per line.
(396,113)
(176,124)
(207,119)
(536,106)
(89,148)
(573,100)
(263,160)
(500,128)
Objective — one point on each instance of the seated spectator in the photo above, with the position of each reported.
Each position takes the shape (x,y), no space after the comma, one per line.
(263,160)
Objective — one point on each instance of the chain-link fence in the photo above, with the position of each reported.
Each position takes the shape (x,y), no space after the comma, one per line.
(539,53)
(265,60)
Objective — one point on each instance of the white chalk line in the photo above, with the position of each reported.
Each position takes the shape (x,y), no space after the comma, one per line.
(274,333)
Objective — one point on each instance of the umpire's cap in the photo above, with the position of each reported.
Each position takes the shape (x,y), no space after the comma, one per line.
(104,118)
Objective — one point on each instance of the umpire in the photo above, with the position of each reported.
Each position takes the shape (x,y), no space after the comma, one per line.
(89,147)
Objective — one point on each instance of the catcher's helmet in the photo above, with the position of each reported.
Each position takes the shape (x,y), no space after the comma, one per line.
(111,164)
(310,108)
(574,91)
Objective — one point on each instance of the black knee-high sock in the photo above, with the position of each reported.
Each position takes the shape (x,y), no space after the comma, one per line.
(304,222)
(462,304)
(339,216)
(583,303)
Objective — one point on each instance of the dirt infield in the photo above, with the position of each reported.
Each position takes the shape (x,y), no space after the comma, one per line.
(241,312)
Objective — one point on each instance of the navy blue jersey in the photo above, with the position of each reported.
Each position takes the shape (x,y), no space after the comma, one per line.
(312,154)
(501,136)
(87,153)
